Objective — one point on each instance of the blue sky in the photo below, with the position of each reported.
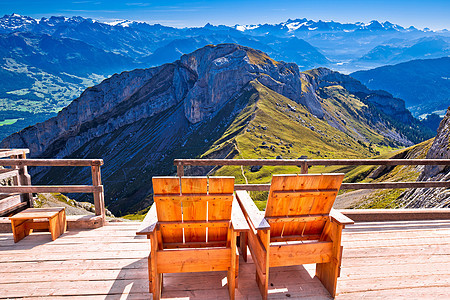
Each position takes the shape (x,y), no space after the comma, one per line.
(432,13)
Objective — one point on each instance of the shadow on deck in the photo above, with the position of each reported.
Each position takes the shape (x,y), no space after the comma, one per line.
(408,259)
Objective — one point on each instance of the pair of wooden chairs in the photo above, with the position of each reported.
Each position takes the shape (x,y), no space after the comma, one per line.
(193,227)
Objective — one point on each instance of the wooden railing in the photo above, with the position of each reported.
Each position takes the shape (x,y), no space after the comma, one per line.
(24,187)
(18,176)
(305,163)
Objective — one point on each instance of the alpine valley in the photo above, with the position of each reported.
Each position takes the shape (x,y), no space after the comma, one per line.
(224,101)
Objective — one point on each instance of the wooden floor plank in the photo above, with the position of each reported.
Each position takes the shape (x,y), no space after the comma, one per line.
(360,272)
(84,247)
(83,264)
(392,283)
(386,251)
(400,293)
(73,255)
(396,243)
(367,235)
(73,275)
(68,288)
(393,261)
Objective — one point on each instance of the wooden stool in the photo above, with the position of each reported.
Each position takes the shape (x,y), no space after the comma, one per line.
(23,223)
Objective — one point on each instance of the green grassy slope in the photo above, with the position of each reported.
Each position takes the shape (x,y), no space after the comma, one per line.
(272,125)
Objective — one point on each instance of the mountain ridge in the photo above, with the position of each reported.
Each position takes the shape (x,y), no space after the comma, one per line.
(424,84)
(18,21)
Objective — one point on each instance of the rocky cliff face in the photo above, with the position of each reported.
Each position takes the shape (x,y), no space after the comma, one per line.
(433,197)
(139,121)
(222,71)
(203,81)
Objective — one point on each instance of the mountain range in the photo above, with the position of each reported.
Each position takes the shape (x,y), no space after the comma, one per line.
(423,84)
(400,50)
(223,101)
(46,63)
(299,25)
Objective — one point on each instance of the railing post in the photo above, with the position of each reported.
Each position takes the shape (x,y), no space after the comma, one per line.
(15,180)
(180,169)
(99,198)
(23,179)
(304,167)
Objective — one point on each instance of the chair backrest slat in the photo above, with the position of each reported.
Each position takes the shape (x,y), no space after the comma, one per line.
(220,209)
(302,194)
(195,208)
(167,209)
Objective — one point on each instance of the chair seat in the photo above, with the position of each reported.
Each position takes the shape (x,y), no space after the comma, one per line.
(293,243)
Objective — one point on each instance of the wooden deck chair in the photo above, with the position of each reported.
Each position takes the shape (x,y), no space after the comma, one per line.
(298,227)
(193,227)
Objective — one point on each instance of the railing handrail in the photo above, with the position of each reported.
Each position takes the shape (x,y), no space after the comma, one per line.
(310,162)
(305,163)
(359,186)
(10,152)
(52,162)
(52,189)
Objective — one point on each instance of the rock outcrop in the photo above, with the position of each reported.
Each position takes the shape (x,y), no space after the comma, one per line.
(433,197)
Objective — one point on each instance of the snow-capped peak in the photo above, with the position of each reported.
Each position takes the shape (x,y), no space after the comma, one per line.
(115,22)
(245,27)
(304,24)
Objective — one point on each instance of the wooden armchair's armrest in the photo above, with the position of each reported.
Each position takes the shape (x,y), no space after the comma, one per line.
(339,218)
(251,212)
(237,218)
(149,223)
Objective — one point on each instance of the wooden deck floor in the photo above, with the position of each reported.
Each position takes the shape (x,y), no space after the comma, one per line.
(381,260)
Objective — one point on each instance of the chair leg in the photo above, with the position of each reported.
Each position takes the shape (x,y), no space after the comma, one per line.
(231,274)
(20,229)
(259,245)
(237,269)
(263,285)
(150,286)
(243,245)
(156,277)
(156,283)
(231,279)
(328,273)
(157,286)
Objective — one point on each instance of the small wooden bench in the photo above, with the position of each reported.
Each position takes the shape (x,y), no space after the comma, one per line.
(24,222)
